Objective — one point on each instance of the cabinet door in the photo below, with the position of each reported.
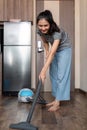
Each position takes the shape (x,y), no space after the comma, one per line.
(23,9)
(1,10)
(8,9)
(30,10)
(18,9)
(26,10)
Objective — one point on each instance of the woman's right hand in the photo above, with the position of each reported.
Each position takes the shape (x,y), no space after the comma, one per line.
(42,76)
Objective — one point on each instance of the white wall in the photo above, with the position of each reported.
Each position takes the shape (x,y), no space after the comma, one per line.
(83,45)
(33,71)
(77,44)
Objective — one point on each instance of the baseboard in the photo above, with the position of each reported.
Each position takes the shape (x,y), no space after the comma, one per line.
(81,91)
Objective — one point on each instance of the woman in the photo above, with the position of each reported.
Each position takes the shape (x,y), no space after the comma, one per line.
(58,58)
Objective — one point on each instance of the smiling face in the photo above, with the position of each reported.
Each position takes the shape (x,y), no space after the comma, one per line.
(43,26)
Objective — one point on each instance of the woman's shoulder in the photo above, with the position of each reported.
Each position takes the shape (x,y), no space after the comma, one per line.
(57,35)
(63,31)
(60,32)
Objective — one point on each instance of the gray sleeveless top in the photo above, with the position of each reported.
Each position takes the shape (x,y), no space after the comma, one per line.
(62,35)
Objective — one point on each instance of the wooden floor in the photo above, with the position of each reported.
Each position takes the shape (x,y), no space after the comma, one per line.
(71,116)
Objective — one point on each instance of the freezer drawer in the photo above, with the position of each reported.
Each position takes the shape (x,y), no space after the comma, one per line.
(17,33)
(16,68)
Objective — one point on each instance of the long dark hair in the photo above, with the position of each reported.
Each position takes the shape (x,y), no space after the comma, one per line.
(47,15)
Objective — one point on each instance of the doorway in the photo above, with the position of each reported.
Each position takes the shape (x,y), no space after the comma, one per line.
(63,13)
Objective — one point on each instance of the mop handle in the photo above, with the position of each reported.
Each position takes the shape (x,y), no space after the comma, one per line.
(34,101)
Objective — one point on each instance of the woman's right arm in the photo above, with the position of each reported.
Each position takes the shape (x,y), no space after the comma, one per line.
(46,46)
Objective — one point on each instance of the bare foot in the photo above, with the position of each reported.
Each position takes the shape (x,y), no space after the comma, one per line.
(50,104)
(55,106)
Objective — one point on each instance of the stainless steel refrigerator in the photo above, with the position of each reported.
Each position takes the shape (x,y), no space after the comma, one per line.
(16,57)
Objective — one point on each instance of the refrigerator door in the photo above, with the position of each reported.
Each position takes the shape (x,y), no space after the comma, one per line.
(16,68)
(17,33)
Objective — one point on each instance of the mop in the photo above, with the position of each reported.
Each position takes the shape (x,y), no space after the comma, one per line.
(26,125)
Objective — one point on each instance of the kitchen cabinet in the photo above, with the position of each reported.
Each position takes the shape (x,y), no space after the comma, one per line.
(16,9)
(1,10)
(26,7)
(8,9)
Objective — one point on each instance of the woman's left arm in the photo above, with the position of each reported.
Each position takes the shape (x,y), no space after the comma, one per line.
(49,60)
